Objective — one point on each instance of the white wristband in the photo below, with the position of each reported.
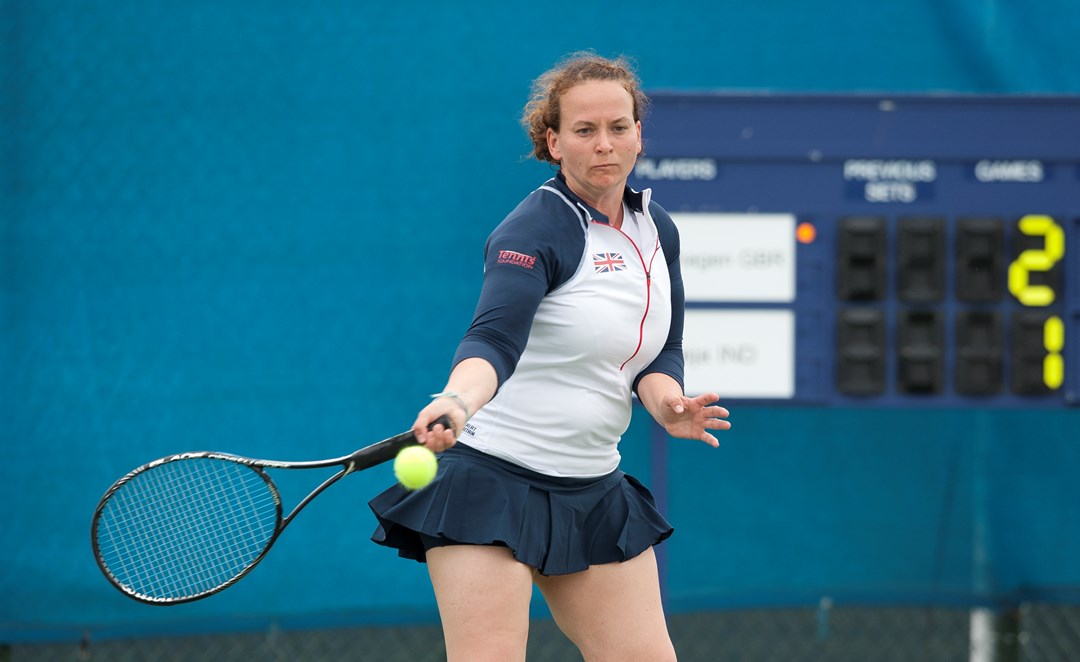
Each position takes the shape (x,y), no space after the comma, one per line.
(456,398)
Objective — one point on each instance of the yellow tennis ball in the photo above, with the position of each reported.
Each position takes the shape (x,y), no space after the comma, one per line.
(415,467)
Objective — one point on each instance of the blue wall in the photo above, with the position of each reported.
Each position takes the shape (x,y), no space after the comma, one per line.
(259,229)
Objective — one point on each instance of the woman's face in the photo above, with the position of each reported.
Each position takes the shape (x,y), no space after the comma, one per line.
(598,140)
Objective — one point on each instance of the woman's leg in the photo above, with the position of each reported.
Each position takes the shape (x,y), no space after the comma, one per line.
(483,595)
(612,612)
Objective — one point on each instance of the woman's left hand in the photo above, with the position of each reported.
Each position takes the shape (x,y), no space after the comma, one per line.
(692,418)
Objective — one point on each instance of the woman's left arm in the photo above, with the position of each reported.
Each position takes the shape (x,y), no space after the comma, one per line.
(660,386)
(682,417)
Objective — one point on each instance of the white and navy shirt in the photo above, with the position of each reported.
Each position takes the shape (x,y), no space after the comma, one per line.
(573,312)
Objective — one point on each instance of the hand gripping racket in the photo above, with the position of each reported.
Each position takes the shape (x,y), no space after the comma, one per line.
(187,526)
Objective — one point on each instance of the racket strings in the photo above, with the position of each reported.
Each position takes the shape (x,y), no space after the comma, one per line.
(186,527)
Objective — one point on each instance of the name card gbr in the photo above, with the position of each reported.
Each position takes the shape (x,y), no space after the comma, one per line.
(745,260)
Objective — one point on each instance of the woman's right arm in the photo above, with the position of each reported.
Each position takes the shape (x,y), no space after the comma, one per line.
(471,385)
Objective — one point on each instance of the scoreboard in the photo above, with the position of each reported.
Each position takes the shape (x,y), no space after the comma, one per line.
(875,251)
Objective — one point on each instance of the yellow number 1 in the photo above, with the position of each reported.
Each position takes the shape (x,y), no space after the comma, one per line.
(1036,259)
(1054,342)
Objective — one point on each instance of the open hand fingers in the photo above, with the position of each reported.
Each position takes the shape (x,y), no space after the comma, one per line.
(715,415)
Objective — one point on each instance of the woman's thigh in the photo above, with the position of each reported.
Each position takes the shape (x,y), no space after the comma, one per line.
(483,595)
(612,611)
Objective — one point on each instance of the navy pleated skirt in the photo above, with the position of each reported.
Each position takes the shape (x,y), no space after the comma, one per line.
(556,525)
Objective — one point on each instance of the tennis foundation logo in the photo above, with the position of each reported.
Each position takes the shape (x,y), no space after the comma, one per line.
(515,258)
(607,262)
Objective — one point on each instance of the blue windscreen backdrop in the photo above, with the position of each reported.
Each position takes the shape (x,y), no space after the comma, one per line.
(258,228)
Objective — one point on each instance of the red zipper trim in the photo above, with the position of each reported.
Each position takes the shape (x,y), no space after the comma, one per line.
(648,287)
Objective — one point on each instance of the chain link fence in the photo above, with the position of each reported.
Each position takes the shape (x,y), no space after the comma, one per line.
(1032,633)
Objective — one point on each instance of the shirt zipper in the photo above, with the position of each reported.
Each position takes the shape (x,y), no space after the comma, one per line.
(648,287)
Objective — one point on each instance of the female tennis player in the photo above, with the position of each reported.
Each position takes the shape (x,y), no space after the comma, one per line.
(581,307)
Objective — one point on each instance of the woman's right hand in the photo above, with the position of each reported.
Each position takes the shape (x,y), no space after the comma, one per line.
(435,436)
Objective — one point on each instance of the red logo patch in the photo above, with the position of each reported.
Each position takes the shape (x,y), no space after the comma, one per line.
(517,259)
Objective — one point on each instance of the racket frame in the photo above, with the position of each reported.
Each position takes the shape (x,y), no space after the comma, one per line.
(363,458)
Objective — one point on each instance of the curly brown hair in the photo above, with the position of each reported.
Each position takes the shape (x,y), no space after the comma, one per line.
(542,112)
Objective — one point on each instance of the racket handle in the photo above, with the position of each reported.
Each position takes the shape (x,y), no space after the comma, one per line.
(389,448)
(444,421)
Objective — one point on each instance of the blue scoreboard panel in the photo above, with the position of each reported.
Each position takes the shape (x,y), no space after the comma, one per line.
(875,251)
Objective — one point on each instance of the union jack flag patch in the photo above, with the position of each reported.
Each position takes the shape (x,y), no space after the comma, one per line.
(608,262)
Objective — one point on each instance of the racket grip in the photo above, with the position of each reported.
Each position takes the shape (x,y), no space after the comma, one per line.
(388,449)
(444,421)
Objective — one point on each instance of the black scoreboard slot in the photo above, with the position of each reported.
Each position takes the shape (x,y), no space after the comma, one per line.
(860,352)
(920,352)
(861,260)
(920,260)
(980,353)
(980,260)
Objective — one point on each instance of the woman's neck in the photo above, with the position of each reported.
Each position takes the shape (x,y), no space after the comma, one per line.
(610,203)
(614,216)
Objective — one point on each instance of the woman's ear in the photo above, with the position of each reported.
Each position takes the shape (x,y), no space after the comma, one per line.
(553,144)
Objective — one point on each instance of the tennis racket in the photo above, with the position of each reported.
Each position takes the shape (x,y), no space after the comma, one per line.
(187,526)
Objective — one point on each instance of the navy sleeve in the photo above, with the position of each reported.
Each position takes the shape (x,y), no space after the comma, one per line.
(670,359)
(536,249)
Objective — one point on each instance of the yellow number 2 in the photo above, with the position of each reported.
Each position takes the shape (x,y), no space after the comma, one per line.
(1036,259)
